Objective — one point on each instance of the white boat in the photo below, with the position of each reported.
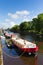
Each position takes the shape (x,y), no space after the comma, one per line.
(24,45)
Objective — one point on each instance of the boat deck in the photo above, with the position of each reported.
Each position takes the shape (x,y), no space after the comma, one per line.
(24,42)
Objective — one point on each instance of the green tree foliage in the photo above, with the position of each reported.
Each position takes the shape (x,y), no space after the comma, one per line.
(25,26)
(35,25)
(38,23)
(40,19)
(15,28)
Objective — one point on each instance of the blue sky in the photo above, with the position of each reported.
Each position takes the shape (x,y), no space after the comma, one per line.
(16,11)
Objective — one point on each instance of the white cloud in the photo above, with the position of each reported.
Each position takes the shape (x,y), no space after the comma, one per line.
(26,19)
(24,12)
(18,14)
(12,23)
(13,16)
(5,25)
(16,17)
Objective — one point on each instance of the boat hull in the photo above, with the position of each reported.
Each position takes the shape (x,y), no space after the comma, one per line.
(27,50)
(30,49)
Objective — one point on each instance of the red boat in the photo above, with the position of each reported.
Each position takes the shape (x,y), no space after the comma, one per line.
(24,45)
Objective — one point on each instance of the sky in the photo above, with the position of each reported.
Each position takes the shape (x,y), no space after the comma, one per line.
(13,12)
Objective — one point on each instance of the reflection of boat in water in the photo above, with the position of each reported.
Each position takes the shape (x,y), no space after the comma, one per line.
(31,60)
(24,45)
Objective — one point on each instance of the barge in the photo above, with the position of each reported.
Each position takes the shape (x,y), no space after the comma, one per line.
(7,35)
(24,45)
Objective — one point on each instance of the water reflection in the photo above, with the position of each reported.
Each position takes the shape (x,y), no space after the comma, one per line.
(6,50)
(30,60)
(28,37)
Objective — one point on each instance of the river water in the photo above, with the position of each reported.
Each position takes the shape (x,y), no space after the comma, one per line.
(11,57)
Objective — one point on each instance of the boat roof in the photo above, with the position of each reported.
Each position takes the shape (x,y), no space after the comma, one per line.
(22,41)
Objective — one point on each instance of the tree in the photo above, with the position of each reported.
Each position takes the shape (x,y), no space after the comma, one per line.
(24,26)
(15,28)
(40,18)
(36,25)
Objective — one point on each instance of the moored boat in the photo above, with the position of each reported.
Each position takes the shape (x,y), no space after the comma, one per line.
(24,45)
(7,35)
(2,37)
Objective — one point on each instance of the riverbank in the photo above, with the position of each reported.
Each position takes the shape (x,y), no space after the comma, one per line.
(1,56)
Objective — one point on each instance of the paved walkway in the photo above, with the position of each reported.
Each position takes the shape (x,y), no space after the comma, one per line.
(1,56)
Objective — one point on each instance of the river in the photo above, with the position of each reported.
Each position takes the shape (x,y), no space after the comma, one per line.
(11,57)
